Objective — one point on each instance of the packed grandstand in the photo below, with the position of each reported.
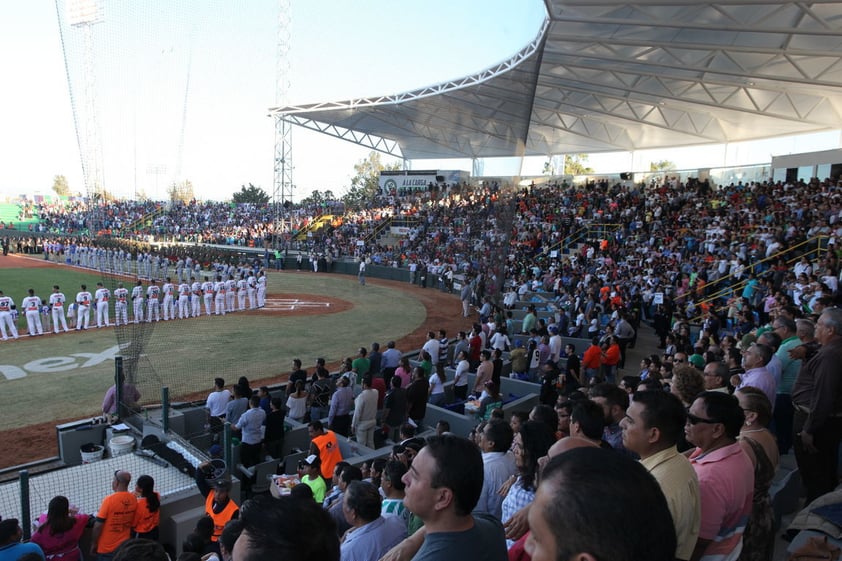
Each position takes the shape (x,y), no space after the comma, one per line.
(665,237)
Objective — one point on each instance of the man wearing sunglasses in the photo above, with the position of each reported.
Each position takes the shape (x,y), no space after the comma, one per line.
(726,474)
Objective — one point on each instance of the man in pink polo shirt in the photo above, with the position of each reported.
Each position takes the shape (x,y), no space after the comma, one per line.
(726,475)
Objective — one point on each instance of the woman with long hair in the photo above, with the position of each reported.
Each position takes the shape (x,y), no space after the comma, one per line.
(147,517)
(297,402)
(530,443)
(60,530)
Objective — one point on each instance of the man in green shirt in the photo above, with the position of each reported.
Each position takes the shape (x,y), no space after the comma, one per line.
(361,365)
(787,330)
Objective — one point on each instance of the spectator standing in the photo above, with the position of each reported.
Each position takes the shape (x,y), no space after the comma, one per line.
(250,426)
(726,476)
(218,502)
(114,519)
(652,428)
(498,466)
(365,414)
(274,436)
(323,443)
(341,402)
(147,517)
(817,398)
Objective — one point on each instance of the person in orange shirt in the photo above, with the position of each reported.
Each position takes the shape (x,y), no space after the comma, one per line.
(592,361)
(218,502)
(610,359)
(114,520)
(147,517)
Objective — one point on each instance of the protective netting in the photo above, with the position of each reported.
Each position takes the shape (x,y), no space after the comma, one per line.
(149,82)
(86,485)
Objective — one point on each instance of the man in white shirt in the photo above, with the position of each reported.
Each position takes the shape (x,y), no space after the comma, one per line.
(251,284)
(121,305)
(153,304)
(184,300)
(137,300)
(261,289)
(498,466)
(169,299)
(57,300)
(432,347)
(101,297)
(195,298)
(365,414)
(219,298)
(207,295)
(32,307)
(6,321)
(230,294)
(83,307)
(241,292)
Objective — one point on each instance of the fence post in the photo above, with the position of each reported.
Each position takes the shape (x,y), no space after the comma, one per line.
(25,514)
(118,385)
(165,409)
(227,447)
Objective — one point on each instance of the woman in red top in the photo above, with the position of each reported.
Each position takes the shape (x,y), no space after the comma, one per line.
(148,514)
(58,536)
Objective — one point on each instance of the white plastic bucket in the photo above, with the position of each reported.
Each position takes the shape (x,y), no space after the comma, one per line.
(120,445)
(91,453)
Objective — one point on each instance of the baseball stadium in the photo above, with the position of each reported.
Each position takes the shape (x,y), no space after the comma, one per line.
(505,299)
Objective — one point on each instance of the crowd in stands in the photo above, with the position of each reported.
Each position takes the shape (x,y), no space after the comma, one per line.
(755,379)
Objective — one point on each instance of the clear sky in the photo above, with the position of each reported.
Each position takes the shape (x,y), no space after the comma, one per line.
(185,85)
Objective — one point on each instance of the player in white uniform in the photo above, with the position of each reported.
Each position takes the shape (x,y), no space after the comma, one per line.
(137,299)
(169,301)
(207,291)
(183,300)
(121,305)
(251,283)
(83,308)
(153,304)
(57,300)
(195,298)
(101,297)
(241,293)
(6,319)
(261,289)
(32,308)
(219,300)
(230,294)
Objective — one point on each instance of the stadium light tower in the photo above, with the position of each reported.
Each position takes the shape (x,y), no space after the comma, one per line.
(83,15)
(282,179)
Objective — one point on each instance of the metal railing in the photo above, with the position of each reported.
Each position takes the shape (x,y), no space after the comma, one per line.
(145,220)
(590,232)
(812,248)
(314,226)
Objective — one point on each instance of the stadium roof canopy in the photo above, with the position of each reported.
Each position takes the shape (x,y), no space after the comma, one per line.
(609,75)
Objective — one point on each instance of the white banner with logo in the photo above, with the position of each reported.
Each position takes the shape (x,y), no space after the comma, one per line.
(389,183)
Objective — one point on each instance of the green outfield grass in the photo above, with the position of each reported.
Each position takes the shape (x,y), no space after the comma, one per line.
(65,376)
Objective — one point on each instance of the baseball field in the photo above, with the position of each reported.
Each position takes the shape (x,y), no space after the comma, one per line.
(54,378)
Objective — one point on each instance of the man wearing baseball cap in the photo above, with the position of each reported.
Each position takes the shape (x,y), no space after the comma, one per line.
(311,465)
(218,503)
